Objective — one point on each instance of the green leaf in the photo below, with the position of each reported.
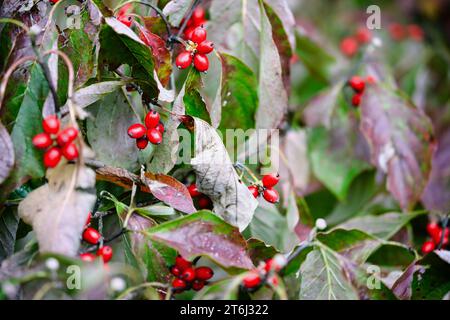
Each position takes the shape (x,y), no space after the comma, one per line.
(332,159)
(107,132)
(193,101)
(238,96)
(325,276)
(383,226)
(119,45)
(204,233)
(175,10)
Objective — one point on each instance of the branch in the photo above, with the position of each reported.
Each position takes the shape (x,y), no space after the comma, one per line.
(186,19)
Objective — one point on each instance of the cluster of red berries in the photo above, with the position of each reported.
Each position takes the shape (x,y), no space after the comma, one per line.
(264,273)
(152,131)
(197,47)
(350,45)
(266,188)
(358,85)
(436,233)
(92,236)
(189,277)
(56,143)
(203,201)
(123,15)
(400,32)
(197,19)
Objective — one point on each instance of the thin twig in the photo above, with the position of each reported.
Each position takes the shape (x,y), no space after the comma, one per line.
(187,18)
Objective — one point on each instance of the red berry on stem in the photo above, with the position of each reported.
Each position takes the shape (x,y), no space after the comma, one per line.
(203,273)
(91,235)
(136,131)
(70,151)
(160,127)
(175,271)
(433,228)
(254,190)
(427,247)
(154,136)
(356,99)
(397,31)
(188,33)
(198,16)
(42,140)
(270,180)
(193,191)
(106,252)
(201,62)
(438,236)
(152,119)
(188,275)
(205,47)
(204,202)
(66,136)
(349,46)
(184,60)
(52,157)
(199,35)
(142,143)
(88,257)
(271,195)
(198,285)
(182,263)
(178,284)
(415,32)
(357,83)
(51,124)
(251,280)
(363,35)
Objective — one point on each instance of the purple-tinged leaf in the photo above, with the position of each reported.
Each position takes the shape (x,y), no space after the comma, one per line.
(400,137)
(6,153)
(203,233)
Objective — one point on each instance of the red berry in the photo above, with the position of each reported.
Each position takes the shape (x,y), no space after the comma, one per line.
(175,271)
(125,19)
(363,35)
(204,202)
(88,220)
(141,143)
(154,136)
(160,127)
(199,35)
(70,151)
(205,47)
(201,62)
(438,236)
(91,235)
(356,99)
(349,46)
(198,16)
(136,131)
(152,119)
(193,191)
(433,229)
(178,284)
(271,264)
(88,257)
(182,263)
(188,33)
(273,280)
(415,32)
(270,180)
(254,190)
(42,140)
(52,157)
(251,280)
(427,247)
(66,136)
(357,83)
(184,60)
(106,252)
(51,124)
(188,275)
(397,31)
(198,285)
(271,195)
(53,1)
(203,273)
(370,80)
